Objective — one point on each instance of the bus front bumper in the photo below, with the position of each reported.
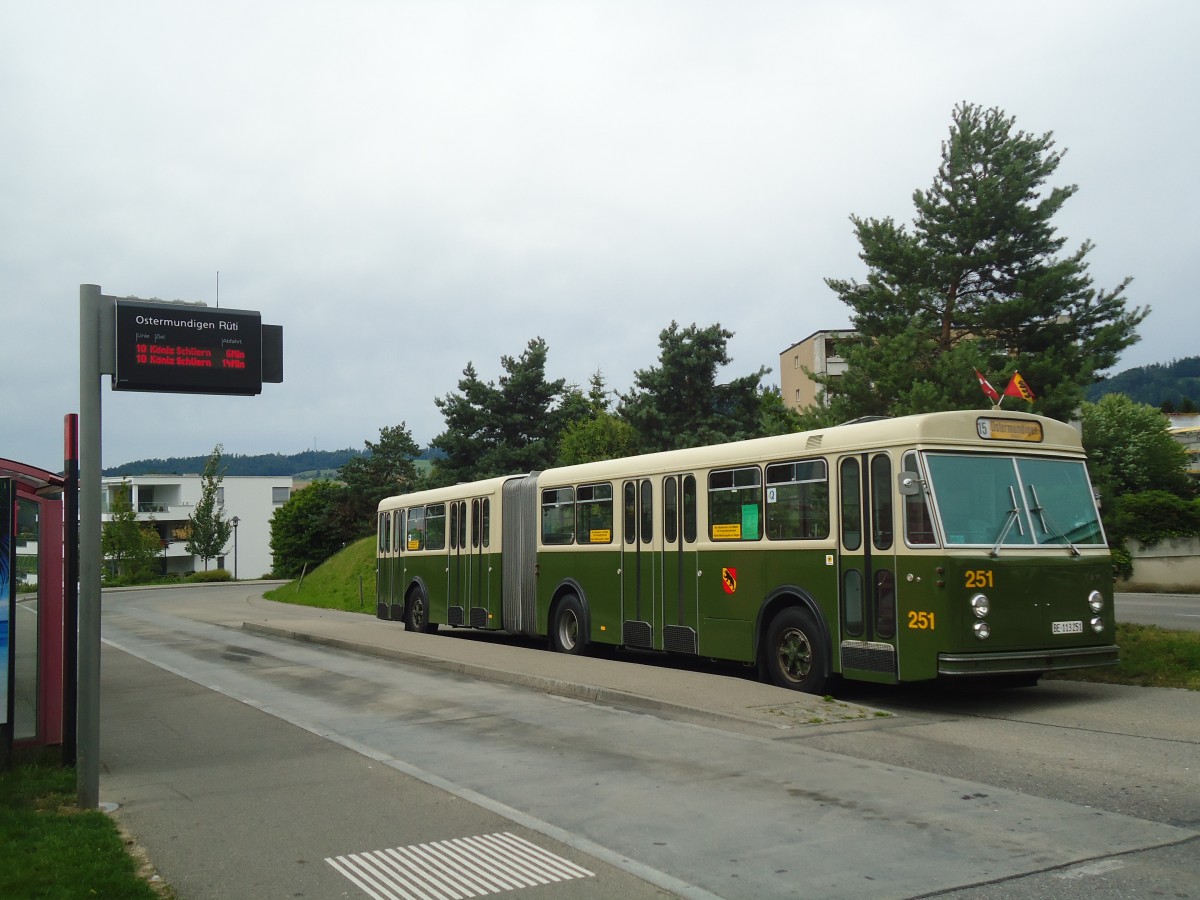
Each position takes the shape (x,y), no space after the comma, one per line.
(1027,661)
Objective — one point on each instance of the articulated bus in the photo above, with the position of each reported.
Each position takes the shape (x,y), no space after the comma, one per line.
(960,543)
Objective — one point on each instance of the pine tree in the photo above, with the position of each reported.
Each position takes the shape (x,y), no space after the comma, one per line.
(679,403)
(386,469)
(501,429)
(978,283)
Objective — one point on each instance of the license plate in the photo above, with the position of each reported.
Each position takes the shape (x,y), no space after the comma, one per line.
(1066,628)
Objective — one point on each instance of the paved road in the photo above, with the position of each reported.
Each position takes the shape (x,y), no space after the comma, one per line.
(1175,611)
(360,737)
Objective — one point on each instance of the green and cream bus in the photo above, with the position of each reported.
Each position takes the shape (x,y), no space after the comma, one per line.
(949,544)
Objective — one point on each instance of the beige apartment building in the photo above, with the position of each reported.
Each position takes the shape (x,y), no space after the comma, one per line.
(818,354)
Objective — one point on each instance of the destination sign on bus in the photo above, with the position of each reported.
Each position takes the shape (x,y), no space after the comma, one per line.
(187,348)
(1009,430)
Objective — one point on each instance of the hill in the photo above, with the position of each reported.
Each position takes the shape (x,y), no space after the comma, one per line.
(1175,383)
(307,464)
(273,464)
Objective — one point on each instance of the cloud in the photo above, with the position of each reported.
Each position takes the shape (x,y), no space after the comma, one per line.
(407,187)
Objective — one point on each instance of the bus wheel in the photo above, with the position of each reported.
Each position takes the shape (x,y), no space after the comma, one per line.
(795,653)
(567,632)
(416,617)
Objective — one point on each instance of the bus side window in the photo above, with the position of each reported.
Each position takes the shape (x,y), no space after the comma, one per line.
(416,528)
(671,510)
(435,526)
(558,516)
(647,511)
(735,500)
(851,504)
(595,514)
(630,512)
(798,500)
(881,502)
(689,509)
(918,522)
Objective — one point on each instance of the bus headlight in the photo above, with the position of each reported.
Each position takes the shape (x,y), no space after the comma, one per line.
(980,606)
(1097,625)
(982,630)
(1096,601)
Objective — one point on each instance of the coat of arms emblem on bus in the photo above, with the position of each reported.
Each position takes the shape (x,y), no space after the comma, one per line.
(729,579)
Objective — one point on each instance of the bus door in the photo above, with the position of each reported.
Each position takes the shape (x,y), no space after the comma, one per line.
(395,577)
(480,603)
(867,568)
(458,564)
(383,566)
(638,564)
(680,611)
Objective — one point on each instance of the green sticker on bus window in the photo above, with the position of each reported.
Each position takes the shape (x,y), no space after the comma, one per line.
(750,521)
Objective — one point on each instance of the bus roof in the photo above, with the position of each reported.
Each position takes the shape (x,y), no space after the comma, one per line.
(956,428)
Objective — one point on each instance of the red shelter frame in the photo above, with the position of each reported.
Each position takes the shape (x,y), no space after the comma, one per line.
(45,489)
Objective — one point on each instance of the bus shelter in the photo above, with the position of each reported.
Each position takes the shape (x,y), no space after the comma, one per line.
(37,629)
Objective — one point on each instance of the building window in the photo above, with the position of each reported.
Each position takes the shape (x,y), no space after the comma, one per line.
(280,495)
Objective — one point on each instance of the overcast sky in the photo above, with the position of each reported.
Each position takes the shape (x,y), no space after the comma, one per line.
(407,187)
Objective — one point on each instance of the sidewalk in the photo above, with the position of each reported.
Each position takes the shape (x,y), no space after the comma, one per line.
(221,794)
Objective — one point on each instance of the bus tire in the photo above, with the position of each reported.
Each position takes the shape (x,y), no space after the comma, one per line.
(795,654)
(416,613)
(568,631)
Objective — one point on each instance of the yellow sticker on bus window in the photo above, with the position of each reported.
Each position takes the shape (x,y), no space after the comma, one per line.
(600,536)
(414,545)
(729,532)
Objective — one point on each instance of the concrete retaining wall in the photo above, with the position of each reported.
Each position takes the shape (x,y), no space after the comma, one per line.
(1172,565)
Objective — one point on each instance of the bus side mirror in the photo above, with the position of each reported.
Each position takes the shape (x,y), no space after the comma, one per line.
(909,484)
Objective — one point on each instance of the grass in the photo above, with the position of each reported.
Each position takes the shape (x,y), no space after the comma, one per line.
(55,851)
(1150,657)
(335,583)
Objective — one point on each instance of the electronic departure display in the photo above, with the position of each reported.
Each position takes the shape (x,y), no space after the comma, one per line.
(188,348)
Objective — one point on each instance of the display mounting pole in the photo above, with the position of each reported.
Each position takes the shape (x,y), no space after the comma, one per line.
(96,357)
(146,345)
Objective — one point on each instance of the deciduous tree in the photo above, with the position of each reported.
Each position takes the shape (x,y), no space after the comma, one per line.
(131,547)
(209,530)
(306,530)
(1130,450)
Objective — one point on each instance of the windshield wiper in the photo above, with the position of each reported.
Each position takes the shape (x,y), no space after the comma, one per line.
(1014,515)
(1053,530)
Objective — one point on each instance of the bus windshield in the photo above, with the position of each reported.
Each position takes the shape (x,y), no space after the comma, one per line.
(1005,501)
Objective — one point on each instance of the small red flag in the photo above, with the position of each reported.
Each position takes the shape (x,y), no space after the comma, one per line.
(987,388)
(1018,387)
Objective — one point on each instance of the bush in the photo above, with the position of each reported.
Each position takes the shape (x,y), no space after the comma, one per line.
(1153,516)
(1122,562)
(210,575)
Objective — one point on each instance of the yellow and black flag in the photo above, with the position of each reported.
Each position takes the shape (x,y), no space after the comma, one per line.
(1018,387)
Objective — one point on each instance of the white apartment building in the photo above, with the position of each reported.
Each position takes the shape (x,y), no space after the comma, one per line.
(168,500)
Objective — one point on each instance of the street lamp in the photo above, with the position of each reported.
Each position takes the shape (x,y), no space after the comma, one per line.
(234,522)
